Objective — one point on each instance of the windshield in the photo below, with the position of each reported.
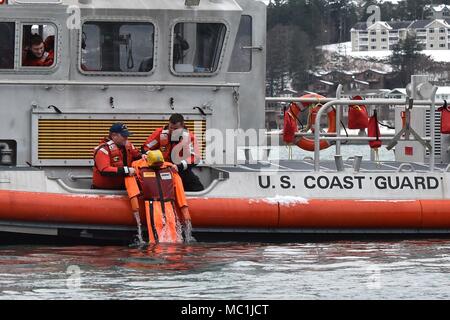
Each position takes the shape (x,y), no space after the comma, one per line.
(117,47)
(197,47)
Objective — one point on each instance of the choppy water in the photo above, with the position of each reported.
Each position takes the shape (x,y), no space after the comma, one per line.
(417,269)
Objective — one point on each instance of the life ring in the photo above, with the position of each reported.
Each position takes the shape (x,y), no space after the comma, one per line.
(306,143)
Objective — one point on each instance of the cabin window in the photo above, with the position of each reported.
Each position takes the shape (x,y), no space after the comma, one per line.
(241,59)
(197,47)
(117,47)
(38,45)
(7,41)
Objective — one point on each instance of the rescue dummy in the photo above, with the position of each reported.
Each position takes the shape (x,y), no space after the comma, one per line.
(157,190)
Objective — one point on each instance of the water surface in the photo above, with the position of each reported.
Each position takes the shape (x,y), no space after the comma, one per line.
(413,269)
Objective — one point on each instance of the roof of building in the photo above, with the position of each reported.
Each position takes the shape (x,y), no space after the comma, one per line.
(398,25)
(398,90)
(366,93)
(420,24)
(443,90)
(380,25)
(322,73)
(371,70)
(438,8)
(441,21)
(440,91)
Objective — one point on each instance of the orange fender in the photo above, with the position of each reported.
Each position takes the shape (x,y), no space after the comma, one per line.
(231,212)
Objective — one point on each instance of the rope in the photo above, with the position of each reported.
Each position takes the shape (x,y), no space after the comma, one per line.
(385,125)
(346,132)
(129,50)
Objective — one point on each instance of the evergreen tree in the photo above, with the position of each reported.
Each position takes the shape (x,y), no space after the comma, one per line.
(296,28)
(406,57)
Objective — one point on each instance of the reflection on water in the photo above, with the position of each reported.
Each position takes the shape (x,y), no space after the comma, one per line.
(333,270)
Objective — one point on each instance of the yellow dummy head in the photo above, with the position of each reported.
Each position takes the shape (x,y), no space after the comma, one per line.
(155,158)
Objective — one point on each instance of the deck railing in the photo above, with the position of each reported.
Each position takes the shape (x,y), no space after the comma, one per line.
(339,103)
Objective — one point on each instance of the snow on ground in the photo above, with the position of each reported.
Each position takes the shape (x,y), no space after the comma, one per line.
(345,48)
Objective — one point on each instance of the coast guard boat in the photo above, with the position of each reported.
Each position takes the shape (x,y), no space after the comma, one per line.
(124,61)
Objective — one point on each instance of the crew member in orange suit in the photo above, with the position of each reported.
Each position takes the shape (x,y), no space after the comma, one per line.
(178,146)
(37,55)
(113,159)
(158,187)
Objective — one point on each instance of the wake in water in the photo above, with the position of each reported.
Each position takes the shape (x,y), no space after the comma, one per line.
(140,238)
(184,234)
(188,238)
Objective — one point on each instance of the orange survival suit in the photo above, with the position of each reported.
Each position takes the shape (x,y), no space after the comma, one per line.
(160,190)
(111,164)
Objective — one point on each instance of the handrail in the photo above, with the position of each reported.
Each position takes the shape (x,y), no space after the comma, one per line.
(389,102)
(298,99)
(338,119)
(382,102)
(432,125)
(117,83)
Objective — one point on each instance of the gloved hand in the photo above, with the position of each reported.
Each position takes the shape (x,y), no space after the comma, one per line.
(132,172)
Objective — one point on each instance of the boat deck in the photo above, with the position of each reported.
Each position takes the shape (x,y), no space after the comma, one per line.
(328,166)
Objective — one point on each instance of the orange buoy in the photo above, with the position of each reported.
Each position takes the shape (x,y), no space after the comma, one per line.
(295,110)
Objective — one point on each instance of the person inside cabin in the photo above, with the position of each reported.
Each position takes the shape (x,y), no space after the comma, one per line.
(50,44)
(37,55)
(113,159)
(146,64)
(179,47)
(178,146)
(157,190)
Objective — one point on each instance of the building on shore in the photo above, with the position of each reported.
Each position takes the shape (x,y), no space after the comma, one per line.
(433,34)
(441,11)
(326,83)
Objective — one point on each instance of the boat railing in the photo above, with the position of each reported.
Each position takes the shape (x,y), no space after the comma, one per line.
(339,103)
